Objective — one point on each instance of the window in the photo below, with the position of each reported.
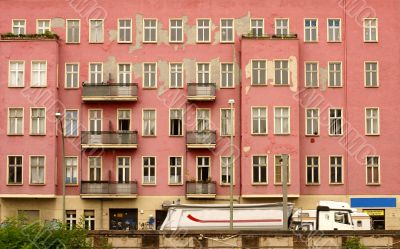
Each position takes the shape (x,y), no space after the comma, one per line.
(227,31)
(39,74)
(372,121)
(203,30)
(259,120)
(335,74)
(17,74)
(282,26)
(96,73)
(89,219)
(95,120)
(124,73)
(124,30)
(203,169)
(334,30)
(15,121)
(260,172)
(312,122)
(280,161)
(282,72)
(149,122)
(282,120)
(123,169)
(71,75)
(311,72)
(371,30)
(38,121)
(71,123)
(149,75)
(336,169)
(150,30)
(373,170)
(14,169)
(371,74)
(259,72)
(312,169)
(227,75)
(19,27)
(310,30)
(124,120)
(37,169)
(335,122)
(73,31)
(149,170)
(71,170)
(227,123)
(203,73)
(43,26)
(226,163)
(176,75)
(203,119)
(71,219)
(257,27)
(175,122)
(175,170)
(94,168)
(96,30)
(176,30)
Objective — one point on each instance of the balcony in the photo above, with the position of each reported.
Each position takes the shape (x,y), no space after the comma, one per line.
(108,189)
(109,139)
(201,91)
(109,92)
(201,190)
(200,139)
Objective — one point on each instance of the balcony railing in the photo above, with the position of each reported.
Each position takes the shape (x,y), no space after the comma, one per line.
(270,36)
(201,139)
(201,91)
(109,92)
(201,189)
(109,139)
(108,189)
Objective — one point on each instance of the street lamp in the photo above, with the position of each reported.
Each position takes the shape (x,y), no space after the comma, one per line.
(59,119)
(231,102)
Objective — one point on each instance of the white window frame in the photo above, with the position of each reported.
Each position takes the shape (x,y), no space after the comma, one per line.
(231,115)
(43,182)
(145,134)
(306,85)
(259,169)
(204,30)
(129,28)
(228,28)
(288,172)
(370,29)
(312,172)
(203,72)
(16,71)
(311,119)
(222,169)
(208,119)
(182,120)
(150,72)
(19,26)
(310,29)
(39,122)
(88,219)
(275,117)
(372,174)
(43,83)
(173,70)
(256,34)
(368,72)
(70,219)
(372,121)
(330,85)
(66,123)
(96,72)
(175,166)
(341,122)
(259,72)
(43,29)
(67,38)
(124,167)
(73,166)
(9,123)
(96,167)
(150,29)
(281,70)
(282,27)
(208,166)
(15,167)
(119,110)
(101,39)
(259,120)
(150,166)
(224,71)
(98,120)
(124,73)
(334,28)
(66,75)
(176,29)
(336,166)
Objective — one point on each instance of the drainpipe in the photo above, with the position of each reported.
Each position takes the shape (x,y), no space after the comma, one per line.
(345,98)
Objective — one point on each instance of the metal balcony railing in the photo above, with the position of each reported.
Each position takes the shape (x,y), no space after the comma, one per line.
(110,92)
(201,139)
(201,91)
(99,188)
(109,139)
(200,189)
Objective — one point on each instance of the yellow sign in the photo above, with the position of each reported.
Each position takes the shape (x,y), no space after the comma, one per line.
(374,212)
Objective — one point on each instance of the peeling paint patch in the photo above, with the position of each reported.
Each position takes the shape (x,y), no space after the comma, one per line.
(246,149)
(323,78)
(189,32)
(113,35)
(270,72)
(163,34)
(137,70)
(110,69)
(139,33)
(215,68)
(247,90)
(242,25)
(293,73)
(248,70)
(190,70)
(57,22)
(163,76)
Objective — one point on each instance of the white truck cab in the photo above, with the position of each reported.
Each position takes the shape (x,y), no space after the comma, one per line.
(334,216)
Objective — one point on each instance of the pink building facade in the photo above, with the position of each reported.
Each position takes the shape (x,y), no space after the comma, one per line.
(144,90)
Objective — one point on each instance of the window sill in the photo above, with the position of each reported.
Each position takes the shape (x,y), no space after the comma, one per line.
(203,42)
(258,85)
(373,135)
(14,184)
(16,86)
(149,88)
(175,184)
(337,184)
(259,134)
(71,136)
(311,42)
(102,42)
(333,135)
(176,42)
(149,184)
(312,184)
(72,43)
(226,135)
(280,184)
(176,135)
(377,86)
(15,135)
(259,184)
(311,87)
(149,42)
(227,42)
(37,135)
(71,88)
(334,41)
(373,184)
(281,85)
(124,42)
(282,134)
(227,87)
(39,86)
(225,185)
(335,87)
(37,184)
(370,41)
(149,136)
(181,87)
(71,185)
(312,135)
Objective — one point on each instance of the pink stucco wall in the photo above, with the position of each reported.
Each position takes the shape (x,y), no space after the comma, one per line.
(353,97)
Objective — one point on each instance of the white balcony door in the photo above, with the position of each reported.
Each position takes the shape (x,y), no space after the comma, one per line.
(123,166)
(203,120)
